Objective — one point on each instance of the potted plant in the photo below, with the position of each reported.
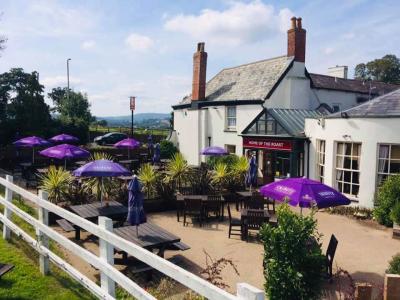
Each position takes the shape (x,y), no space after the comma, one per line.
(148,178)
(178,169)
(56,182)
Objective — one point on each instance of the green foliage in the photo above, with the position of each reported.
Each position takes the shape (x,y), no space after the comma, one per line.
(148,178)
(101,155)
(178,169)
(220,175)
(387,198)
(395,213)
(386,69)
(201,179)
(167,149)
(23,110)
(56,182)
(355,211)
(74,111)
(293,261)
(394,265)
(230,172)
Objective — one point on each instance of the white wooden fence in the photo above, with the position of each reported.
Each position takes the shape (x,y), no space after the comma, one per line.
(109,275)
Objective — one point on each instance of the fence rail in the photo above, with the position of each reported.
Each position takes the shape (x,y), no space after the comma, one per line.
(104,262)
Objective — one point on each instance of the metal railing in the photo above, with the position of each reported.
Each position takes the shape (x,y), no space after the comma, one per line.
(109,275)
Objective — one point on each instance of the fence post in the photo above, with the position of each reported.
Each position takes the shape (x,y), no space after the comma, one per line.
(363,291)
(7,212)
(106,254)
(392,287)
(43,240)
(247,292)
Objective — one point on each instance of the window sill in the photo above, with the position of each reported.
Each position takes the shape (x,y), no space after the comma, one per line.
(230,130)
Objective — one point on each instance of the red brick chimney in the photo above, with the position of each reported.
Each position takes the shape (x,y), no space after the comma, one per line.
(199,73)
(297,41)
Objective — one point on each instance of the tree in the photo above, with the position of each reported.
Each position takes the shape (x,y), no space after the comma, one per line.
(23,110)
(73,109)
(385,69)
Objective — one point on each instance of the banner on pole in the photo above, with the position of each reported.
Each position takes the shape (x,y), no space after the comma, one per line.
(132,101)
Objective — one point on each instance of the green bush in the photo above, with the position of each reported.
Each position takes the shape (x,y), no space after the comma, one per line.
(293,261)
(387,198)
(167,149)
(395,213)
(394,265)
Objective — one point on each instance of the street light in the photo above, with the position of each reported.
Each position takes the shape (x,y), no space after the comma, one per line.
(68,78)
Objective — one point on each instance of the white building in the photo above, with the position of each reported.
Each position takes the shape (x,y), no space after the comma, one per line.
(261,106)
(355,150)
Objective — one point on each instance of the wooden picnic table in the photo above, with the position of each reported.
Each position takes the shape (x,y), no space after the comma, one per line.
(81,162)
(204,198)
(270,217)
(150,237)
(92,211)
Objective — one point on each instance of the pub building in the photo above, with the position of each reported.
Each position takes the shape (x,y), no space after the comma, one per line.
(276,138)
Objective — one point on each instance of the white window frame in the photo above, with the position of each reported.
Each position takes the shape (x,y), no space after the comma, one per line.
(351,170)
(320,159)
(389,160)
(227,118)
(230,145)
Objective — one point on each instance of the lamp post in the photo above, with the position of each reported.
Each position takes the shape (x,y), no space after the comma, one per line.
(68,78)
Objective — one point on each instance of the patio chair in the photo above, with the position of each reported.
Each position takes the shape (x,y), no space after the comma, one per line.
(330,254)
(5,268)
(233,198)
(255,219)
(214,205)
(233,222)
(193,208)
(256,202)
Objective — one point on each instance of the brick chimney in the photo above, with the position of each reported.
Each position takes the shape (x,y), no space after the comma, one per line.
(199,73)
(297,41)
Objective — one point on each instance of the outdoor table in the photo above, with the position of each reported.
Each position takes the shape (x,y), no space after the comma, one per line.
(42,170)
(244,214)
(25,164)
(150,236)
(81,162)
(91,212)
(128,162)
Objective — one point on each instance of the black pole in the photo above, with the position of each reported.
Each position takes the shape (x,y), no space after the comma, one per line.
(132,123)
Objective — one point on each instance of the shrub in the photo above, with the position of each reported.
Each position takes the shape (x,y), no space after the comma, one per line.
(388,197)
(395,213)
(394,265)
(148,178)
(293,262)
(56,183)
(167,149)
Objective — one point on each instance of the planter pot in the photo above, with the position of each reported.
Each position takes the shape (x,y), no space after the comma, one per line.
(396,231)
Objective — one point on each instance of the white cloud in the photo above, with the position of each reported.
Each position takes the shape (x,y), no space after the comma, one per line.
(329,50)
(239,23)
(138,42)
(349,36)
(59,80)
(87,45)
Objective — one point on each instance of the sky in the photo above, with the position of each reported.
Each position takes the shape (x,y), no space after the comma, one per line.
(144,48)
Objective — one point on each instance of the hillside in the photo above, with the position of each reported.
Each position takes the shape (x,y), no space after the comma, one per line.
(143,118)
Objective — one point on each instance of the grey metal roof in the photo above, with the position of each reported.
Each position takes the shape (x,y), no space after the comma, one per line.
(293,120)
(251,81)
(384,106)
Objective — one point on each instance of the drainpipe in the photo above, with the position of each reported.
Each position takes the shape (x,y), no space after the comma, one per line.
(308,158)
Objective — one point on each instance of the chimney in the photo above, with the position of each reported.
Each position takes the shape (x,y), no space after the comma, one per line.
(338,71)
(297,40)
(199,73)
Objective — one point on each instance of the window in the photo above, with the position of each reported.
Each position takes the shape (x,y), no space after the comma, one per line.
(348,168)
(231,149)
(231,118)
(320,160)
(336,107)
(266,125)
(388,161)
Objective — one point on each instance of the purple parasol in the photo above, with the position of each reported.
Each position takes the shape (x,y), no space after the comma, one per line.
(304,192)
(101,168)
(65,151)
(64,138)
(136,215)
(214,151)
(32,142)
(128,143)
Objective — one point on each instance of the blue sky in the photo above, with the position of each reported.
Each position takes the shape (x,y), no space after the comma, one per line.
(144,48)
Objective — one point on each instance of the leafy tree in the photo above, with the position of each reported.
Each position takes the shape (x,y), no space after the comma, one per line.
(385,69)
(23,110)
(293,261)
(73,109)
(394,265)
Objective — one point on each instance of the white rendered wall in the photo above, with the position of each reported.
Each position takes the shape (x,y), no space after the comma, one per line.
(330,97)
(368,131)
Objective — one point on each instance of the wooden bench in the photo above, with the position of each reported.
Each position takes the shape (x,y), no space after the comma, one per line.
(396,231)
(65,225)
(4,268)
(179,246)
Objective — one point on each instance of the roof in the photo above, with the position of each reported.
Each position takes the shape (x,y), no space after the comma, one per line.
(351,85)
(253,81)
(293,120)
(290,120)
(386,106)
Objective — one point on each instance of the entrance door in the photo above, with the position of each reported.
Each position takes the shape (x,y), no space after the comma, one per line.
(269,167)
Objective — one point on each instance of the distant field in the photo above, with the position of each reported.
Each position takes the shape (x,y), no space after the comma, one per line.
(127,130)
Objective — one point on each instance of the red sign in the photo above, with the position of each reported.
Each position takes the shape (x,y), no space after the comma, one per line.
(132,102)
(267,144)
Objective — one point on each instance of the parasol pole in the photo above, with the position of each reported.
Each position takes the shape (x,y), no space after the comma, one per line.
(33,155)
(137,230)
(65,163)
(101,191)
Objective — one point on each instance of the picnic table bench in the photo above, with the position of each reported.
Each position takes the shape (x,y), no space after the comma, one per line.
(92,211)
